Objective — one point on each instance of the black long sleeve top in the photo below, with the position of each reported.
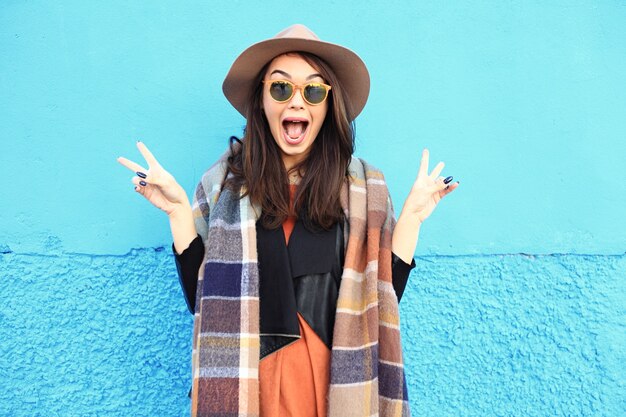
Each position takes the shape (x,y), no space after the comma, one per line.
(302,276)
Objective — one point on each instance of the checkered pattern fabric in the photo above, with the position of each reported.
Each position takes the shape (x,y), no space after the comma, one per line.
(367,373)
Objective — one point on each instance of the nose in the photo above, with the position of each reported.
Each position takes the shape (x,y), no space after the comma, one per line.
(297,101)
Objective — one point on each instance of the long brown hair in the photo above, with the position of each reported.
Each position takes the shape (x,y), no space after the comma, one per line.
(256,162)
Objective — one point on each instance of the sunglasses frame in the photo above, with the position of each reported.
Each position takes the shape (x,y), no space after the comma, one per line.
(300,87)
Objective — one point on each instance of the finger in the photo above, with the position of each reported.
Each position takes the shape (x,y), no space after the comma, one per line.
(448,189)
(138,188)
(437,170)
(150,159)
(423,164)
(439,184)
(131,165)
(140,182)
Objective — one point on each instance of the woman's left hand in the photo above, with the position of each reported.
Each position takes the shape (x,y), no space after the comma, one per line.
(427,191)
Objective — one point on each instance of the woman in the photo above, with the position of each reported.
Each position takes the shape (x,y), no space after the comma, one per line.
(288,254)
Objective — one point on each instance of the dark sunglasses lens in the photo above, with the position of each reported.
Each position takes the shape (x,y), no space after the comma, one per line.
(315,93)
(281,91)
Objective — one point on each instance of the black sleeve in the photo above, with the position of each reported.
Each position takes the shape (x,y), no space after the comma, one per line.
(188,264)
(400,271)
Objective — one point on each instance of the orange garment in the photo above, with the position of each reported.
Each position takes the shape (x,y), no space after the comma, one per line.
(293,380)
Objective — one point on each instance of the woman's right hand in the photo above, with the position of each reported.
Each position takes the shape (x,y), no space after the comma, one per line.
(160,189)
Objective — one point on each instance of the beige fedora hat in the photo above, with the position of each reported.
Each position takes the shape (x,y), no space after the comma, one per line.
(347,65)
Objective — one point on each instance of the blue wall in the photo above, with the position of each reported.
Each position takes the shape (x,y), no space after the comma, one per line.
(518,302)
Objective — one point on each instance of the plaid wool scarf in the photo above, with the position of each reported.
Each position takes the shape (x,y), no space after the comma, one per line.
(367,373)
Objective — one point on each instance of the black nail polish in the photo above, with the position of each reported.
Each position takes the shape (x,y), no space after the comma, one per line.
(143,183)
(447,180)
(141,174)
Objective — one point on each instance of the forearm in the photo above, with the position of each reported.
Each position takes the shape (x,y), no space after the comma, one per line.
(182,226)
(405,236)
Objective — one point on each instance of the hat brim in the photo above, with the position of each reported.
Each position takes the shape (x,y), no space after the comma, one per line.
(347,65)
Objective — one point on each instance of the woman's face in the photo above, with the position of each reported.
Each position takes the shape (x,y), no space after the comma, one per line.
(295,123)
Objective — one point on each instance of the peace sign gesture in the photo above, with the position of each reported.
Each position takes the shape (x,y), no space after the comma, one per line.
(427,190)
(156,184)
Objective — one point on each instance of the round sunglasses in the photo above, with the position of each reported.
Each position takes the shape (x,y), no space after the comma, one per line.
(283,90)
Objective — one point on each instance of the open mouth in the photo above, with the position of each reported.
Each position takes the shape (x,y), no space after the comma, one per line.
(294,130)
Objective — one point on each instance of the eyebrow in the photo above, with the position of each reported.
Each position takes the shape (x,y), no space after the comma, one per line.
(289,76)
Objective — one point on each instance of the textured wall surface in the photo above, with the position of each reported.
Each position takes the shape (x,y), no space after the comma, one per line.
(93,336)
(499,336)
(516,335)
(517,306)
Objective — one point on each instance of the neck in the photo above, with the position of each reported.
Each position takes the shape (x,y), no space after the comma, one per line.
(291,161)
(294,177)
(293,174)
